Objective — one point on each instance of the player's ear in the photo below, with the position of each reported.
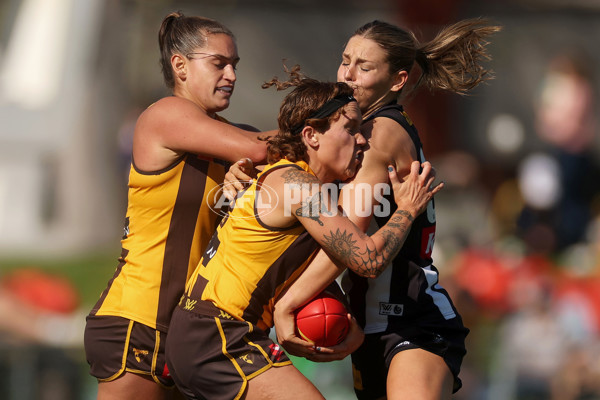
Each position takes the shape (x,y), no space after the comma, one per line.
(310,136)
(400,79)
(179,65)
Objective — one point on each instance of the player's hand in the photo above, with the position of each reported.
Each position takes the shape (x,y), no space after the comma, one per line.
(238,178)
(417,189)
(340,351)
(285,328)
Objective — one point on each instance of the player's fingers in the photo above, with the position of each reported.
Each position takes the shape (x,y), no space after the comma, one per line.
(426,168)
(437,188)
(238,183)
(429,184)
(229,195)
(246,163)
(324,350)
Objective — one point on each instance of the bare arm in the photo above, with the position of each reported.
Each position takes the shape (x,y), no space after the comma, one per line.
(343,240)
(173,126)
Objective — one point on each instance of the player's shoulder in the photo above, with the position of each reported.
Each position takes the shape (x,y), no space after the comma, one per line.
(172,110)
(386,135)
(288,178)
(292,174)
(170,105)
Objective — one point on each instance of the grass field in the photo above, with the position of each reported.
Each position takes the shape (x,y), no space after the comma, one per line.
(89,273)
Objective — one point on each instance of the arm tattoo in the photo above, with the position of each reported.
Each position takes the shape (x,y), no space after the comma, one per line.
(294,176)
(404,214)
(341,245)
(370,262)
(296,179)
(311,208)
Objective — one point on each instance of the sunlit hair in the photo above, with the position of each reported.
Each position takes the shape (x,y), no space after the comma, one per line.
(450,61)
(183,35)
(308,96)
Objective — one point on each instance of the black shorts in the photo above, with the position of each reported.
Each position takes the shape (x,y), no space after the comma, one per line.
(114,345)
(212,356)
(370,363)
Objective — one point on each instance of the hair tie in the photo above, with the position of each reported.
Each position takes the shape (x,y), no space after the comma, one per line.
(421,59)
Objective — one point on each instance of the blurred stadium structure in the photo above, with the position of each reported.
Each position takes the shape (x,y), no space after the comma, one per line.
(519,156)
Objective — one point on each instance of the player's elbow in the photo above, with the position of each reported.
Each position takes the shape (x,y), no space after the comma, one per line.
(370,273)
(375,274)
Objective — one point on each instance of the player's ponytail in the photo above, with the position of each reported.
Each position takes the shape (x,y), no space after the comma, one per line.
(166,46)
(453,59)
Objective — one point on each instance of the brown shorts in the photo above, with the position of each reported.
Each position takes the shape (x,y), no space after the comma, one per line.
(212,356)
(114,345)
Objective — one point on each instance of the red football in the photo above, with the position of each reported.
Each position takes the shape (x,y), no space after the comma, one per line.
(323,321)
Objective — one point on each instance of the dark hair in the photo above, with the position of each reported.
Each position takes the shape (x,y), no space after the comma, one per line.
(450,61)
(308,96)
(182,35)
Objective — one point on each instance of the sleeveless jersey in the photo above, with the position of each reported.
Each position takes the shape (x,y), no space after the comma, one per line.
(169,222)
(408,288)
(247,263)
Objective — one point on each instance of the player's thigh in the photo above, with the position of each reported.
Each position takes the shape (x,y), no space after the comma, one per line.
(416,374)
(281,383)
(132,386)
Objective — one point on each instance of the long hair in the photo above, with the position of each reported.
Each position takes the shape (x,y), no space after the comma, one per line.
(182,35)
(452,60)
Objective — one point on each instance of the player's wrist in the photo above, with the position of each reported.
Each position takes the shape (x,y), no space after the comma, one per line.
(408,210)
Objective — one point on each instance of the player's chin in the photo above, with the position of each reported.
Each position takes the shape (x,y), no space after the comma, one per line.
(222,104)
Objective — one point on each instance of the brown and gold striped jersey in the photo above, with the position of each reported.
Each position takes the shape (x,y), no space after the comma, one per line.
(247,263)
(170,219)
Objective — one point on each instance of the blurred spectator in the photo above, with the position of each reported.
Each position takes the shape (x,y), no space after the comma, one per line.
(559,186)
(531,347)
(40,308)
(41,336)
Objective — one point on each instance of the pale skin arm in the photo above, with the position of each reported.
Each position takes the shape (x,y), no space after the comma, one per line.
(173,126)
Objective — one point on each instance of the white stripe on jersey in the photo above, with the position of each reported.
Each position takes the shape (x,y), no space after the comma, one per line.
(439,299)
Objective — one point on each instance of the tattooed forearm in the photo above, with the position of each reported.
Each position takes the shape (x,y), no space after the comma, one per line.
(401,220)
(370,262)
(402,213)
(343,248)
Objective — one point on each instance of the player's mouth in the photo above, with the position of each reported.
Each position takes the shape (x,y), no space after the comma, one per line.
(225,90)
